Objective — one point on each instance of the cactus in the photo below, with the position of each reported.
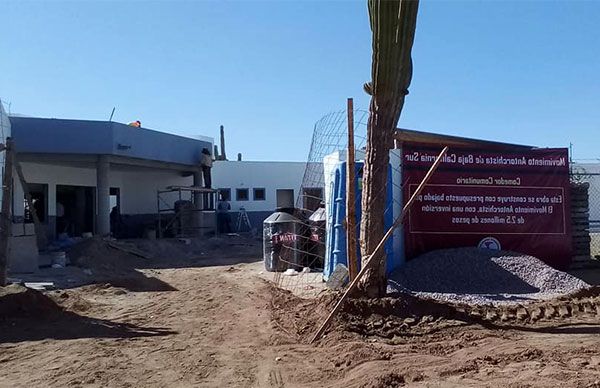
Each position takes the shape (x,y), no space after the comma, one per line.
(393,26)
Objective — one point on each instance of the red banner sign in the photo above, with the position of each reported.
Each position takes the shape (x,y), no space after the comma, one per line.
(509,200)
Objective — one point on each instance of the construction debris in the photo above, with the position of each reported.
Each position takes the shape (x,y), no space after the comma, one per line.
(127,248)
(40,286)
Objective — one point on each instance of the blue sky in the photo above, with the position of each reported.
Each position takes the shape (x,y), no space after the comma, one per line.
(523,72)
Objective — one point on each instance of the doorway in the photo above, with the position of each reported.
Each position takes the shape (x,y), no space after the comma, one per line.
(39,197)
(285,198)
(75,209)
(115,197)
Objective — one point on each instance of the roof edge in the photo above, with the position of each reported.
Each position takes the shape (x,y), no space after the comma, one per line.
(413,136)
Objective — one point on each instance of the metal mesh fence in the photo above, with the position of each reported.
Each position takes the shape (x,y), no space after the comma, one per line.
(585,209)
(307,250)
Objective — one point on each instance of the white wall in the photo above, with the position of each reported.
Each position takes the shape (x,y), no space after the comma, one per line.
(137,188)
(268,175)
(5,132)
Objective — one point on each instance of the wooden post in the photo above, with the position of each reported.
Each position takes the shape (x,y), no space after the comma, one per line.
(389,233)
(5,216)
(351,248)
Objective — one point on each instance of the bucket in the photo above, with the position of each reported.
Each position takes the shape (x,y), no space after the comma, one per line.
(59,258)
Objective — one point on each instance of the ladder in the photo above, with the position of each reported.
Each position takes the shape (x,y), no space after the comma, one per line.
(243,220)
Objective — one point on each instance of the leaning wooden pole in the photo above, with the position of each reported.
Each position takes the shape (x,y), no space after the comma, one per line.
(369,262)
(5,216)
(351,247)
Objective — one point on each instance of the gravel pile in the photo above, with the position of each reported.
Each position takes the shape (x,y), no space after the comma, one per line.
(481,276)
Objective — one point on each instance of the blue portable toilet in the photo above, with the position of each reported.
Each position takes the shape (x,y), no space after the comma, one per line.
(335,242)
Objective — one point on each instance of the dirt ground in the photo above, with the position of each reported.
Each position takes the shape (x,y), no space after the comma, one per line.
(214,322)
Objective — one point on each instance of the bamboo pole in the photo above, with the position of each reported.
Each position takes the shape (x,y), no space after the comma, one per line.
(389,233)
(351,248)
(5,216)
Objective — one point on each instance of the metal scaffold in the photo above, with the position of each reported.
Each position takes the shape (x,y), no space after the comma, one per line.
(192,214)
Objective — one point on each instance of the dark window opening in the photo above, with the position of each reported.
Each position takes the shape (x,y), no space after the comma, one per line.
(225,194)
(241,194)
(260,194)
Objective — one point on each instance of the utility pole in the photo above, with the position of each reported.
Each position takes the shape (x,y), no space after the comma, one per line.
(351,248)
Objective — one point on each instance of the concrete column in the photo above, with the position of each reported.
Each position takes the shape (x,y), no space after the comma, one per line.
(198,183)
(51,210)
(18,198)
(103,195)
(198,202)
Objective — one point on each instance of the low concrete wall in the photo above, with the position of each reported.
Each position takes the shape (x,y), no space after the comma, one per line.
(23,254)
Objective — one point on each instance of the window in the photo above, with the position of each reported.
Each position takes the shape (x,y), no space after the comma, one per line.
(225,194)
(259,194)
(241,194)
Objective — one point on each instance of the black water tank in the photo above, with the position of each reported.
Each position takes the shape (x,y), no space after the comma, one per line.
(317,223)
(282,242)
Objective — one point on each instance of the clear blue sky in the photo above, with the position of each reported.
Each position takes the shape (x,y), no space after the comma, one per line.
(523,72)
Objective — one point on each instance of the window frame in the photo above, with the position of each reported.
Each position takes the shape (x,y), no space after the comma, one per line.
(224,189)
(241,189)
(264,194)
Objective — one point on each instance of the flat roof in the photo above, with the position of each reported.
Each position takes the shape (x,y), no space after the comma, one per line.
(89,137)
(412,136)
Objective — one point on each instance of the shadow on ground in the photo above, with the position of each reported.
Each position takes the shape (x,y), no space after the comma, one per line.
(137,282)
(590,275)
(570,328)
(29,315)
(73,326)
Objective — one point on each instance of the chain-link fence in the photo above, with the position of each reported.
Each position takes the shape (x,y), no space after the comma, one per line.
(585,209)
(303,254)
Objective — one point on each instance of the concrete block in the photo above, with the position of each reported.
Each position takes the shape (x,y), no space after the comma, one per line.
(21,229)
(22,254)
(207,221)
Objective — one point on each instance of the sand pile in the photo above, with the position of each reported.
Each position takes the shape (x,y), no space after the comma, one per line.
(97,255)
(17,301)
